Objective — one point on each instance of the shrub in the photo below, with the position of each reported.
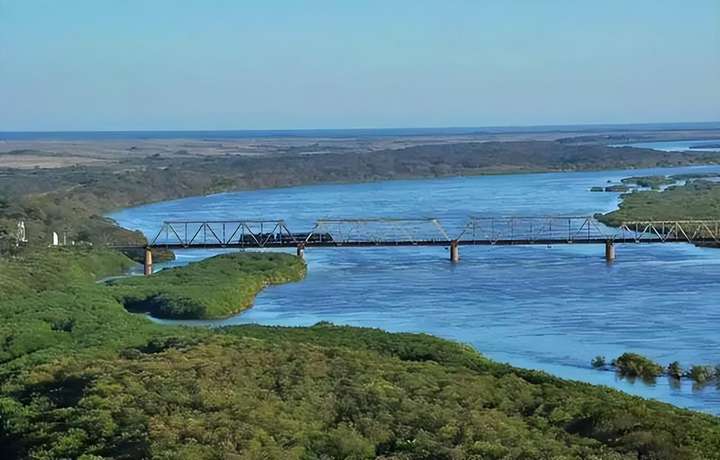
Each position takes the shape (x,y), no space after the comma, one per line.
(674,370)
(598,361)
(701,374)
(635,365)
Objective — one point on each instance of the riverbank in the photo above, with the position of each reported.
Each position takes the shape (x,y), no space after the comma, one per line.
(80,376)
(214,288)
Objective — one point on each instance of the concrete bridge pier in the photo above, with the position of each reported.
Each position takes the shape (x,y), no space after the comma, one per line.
(301,251)
(148,265)
(609,251)
(454,251)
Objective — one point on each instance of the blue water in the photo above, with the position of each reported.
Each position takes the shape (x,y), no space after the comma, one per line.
(678,146)
(532,306)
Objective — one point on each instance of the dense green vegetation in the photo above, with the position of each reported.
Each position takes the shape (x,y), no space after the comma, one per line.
(635,365)
(81,376)
(698,199)
(51,307)
(213,288)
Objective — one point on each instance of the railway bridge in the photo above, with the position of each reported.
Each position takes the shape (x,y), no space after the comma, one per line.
(399,232)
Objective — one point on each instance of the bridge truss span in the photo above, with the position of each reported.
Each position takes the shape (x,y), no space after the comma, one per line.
(663,231)
(502,231)
(533,230)
(223,233)
(481,230)
(380,231)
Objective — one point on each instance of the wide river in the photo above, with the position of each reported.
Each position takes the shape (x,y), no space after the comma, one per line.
(549,308)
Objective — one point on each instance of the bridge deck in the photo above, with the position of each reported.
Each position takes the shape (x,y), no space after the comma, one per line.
(430,243)
(393,232)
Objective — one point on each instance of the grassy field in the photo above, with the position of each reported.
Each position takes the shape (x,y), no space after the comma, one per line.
(213,288)
(80,377)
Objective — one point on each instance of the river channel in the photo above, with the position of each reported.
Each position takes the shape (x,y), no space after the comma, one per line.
(549,308)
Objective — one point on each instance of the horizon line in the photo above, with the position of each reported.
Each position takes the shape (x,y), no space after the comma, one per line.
(396,128)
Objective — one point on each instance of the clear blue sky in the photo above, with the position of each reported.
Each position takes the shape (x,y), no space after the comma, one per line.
(192,64)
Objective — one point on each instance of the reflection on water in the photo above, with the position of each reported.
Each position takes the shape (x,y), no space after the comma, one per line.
(549,308)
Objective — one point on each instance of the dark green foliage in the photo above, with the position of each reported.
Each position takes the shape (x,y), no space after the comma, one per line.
(598,361)
(701,374)
(292,393)
(213,288)
(674,370)
(635,365)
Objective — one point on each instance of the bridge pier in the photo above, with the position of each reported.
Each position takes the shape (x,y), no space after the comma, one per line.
(301,251)
(148,265)
(609,251)
(454,251)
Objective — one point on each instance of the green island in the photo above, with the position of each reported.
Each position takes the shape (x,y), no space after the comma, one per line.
(213,288)
(696,199)
(80,377)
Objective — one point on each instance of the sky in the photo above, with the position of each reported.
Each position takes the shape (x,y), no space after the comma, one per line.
(290,64)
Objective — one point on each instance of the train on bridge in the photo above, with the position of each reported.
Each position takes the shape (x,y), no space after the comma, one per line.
(285,238)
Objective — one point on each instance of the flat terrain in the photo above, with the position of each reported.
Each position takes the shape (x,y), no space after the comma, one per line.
(55,153)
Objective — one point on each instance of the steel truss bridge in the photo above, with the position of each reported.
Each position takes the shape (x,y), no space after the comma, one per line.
(428,232)
(394,232)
